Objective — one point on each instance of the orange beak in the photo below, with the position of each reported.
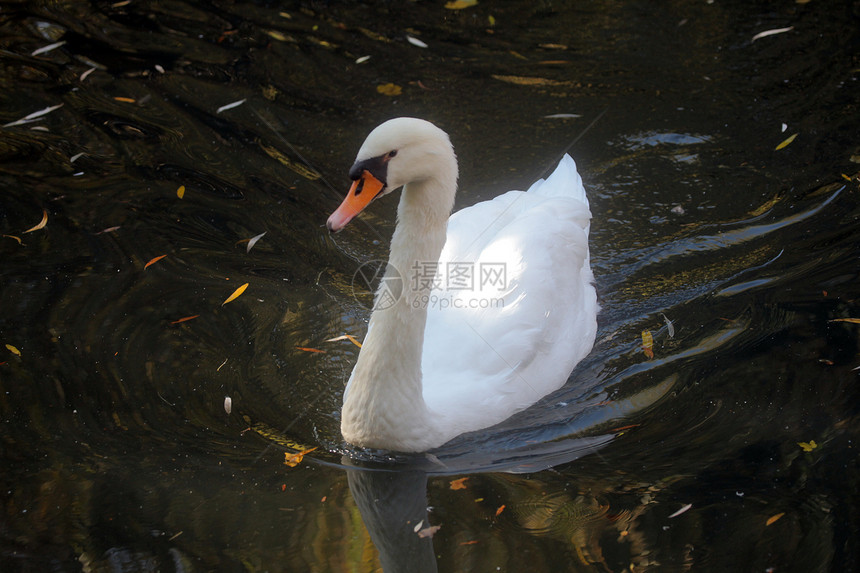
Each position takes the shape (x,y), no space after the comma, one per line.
(364,190)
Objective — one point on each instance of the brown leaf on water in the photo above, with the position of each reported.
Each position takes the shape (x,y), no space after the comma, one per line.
(306,349)
(389,89)
(373,35)
(349,337)
(648,344)
(623,428)
(851,320)
(275,154)
(458,483)
(773,519)
(293,460)
(500,510)
(14,237)
(109,230)
(236,294)
(125,99)
(153,261)
(531,81)
(767,206)
(185,318)
(41,224)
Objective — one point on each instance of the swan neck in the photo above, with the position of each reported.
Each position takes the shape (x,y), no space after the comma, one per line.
(385,390)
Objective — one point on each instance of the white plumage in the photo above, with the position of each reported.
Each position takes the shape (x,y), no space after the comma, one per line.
(452,360)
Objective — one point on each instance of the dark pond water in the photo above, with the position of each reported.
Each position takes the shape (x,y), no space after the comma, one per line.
(733,449)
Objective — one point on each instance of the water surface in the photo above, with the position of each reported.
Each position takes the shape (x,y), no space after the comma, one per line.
(732,449)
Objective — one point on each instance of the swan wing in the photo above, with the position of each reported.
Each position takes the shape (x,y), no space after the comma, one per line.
(514,309)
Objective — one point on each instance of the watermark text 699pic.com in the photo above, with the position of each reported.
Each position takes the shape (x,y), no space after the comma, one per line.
(434,285)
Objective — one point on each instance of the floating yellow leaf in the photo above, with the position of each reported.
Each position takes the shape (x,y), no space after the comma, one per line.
(280,157)
(851,320)
(786,142)
(458,483)
(774,518)
(13,350)
(460,4)
(124,99)
(293,460)
(648,344)
(153,261)
(491,20)
(41,223)
(181,191)
(14,237)
(349,337)
(279,36)
(389,89)
(500,510)
(807,446)
(236,294)
(767,206)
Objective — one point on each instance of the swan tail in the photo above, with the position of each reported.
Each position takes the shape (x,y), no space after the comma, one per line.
(563,182)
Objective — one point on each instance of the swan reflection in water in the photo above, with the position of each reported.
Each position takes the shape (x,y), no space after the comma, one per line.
(392,498)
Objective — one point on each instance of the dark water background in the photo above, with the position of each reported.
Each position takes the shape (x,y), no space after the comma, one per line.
(116,451)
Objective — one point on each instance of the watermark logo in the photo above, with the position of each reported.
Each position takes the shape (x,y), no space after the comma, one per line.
(377,285)
(459,276)
(460,284)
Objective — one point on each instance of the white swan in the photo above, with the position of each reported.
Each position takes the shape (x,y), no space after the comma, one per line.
(441,362)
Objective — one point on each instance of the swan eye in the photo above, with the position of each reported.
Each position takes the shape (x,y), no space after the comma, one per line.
(391,154)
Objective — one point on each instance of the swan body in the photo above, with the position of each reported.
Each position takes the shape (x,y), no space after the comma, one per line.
(495,305)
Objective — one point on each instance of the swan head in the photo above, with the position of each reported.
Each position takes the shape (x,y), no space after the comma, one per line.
(398,152)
